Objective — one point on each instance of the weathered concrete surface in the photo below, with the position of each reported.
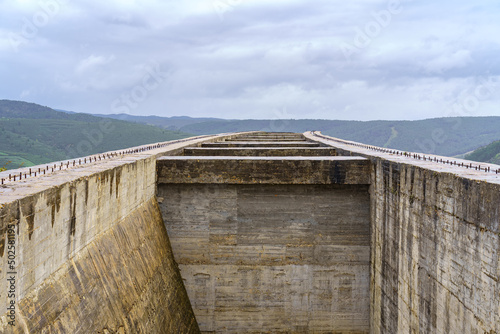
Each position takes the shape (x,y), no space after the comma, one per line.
(272,258)
(435,265)
(125,281)
(271,170)
(259,151)
(439,235)
(92,254)
(267,139)
(275,258)
(272,136)
(261,144)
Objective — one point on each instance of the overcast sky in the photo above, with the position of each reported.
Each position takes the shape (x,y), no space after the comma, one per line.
(361,60)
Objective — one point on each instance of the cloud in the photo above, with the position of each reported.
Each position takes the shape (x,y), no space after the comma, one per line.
(92,62)
(259,57)
(24,94)
(441,63)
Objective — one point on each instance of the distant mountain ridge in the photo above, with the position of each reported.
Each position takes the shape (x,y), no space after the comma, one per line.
(445,136)
(170,123)
(28,110)
(451,136)
(32,134)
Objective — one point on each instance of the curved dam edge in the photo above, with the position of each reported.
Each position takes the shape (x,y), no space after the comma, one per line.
(90,251)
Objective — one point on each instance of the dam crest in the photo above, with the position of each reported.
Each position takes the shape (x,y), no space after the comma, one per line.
(252,232)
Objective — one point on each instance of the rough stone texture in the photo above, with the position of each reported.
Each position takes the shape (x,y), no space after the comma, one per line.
(271,170)
(92,254)
(435,265)
(260,151)
(272,258)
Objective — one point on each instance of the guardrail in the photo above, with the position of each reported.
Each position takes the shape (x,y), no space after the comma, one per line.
(68,164)
(416,156)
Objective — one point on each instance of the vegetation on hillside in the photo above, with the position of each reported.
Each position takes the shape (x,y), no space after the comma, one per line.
(169,123)
(489,153)
(31,134)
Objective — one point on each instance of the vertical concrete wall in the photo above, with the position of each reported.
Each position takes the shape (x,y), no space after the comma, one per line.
(272,258)
(435,265)
(435,254)
(91,252)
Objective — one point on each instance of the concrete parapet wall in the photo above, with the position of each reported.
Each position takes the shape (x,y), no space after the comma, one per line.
(268,170)
(262,144)
(91,251)
(272,136)
(256,152)
(435,265)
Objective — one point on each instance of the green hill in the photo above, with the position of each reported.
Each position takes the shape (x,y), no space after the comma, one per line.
(489,153)
(169,123)
(31,134)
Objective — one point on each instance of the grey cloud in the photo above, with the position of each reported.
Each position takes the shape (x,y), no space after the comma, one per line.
(259,59)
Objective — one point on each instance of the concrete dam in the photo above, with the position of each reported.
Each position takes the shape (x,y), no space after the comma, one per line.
(251,233)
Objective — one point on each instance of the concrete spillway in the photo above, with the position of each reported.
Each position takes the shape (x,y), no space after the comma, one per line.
(252,233)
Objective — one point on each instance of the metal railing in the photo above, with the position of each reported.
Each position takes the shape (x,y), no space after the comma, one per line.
(68,164)
(416,156)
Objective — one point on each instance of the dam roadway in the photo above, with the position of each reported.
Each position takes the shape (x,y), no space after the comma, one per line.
(252,233)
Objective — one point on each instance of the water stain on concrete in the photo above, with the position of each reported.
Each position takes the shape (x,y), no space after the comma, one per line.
(54,202)
(117,184)
(72,210)
(28,212)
